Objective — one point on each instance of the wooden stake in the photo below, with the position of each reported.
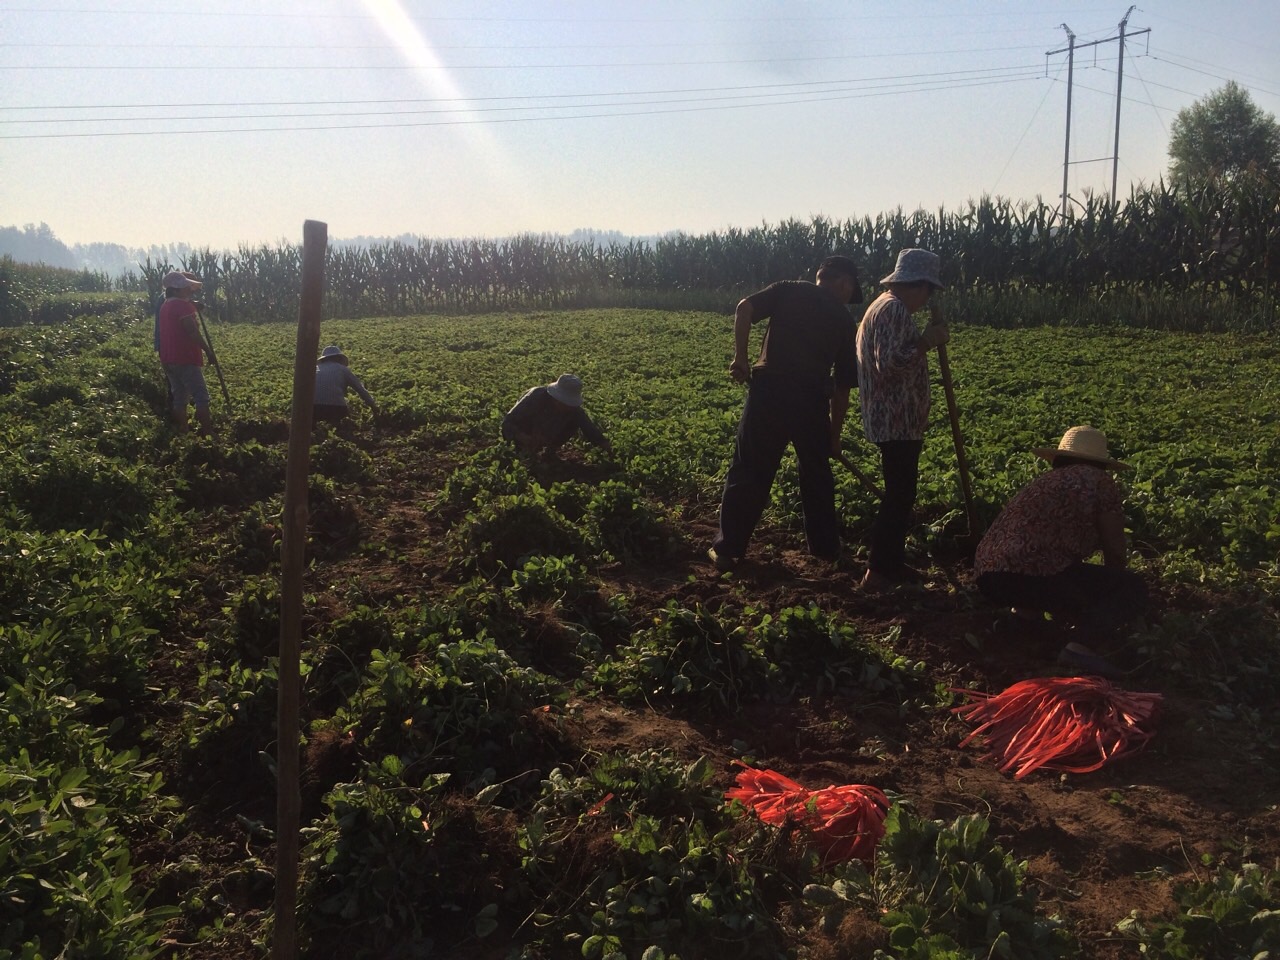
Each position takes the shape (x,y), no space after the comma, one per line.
(861,477)
(315,238)
(971,514)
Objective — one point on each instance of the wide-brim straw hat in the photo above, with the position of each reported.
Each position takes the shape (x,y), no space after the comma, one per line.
(915,265)
(181,280)
(567,389)
(332,352)
(1082,443)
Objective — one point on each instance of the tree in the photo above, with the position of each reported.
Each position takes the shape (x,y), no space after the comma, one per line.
(1223,135)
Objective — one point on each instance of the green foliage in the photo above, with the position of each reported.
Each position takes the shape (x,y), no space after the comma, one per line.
(1232,915)
(458,707)
(395,871)
(691,658)
(62,307)
(155,640)
(34,291)
(341,461)
(508,529)
(491,472)
(65,487)
(1224,134)
(822,656)
(1151,250)
(946,891)
(210,473)
(648,846)
(67,801)
(626,526)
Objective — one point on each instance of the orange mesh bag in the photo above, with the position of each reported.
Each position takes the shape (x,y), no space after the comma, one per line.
(1070,724)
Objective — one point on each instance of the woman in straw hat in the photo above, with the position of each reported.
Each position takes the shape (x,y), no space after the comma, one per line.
(1033,557)
(548,416)
(893,390)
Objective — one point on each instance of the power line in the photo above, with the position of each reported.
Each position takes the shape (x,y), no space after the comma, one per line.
(184,12)
(931,84)
(207,68)
(196,44)
(1205,73)
(939,75)
(585,116)
(1023,136)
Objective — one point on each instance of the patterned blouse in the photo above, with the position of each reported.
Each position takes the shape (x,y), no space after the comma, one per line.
(1050,523)
(893,379)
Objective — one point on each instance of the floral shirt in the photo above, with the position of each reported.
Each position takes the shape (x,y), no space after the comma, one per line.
(1050,523)
(893,379)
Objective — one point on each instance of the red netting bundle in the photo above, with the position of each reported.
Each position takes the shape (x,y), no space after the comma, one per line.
(1072,724)
(844,823)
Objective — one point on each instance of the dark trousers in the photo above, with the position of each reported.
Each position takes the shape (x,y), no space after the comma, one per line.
(328,412)
(777,412)
(900,461)
(1099,600)
(534,441)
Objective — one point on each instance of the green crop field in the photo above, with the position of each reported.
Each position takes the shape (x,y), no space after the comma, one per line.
(525,688)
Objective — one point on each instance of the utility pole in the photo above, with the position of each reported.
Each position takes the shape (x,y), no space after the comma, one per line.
(1115,153)
(1070,50)
(1066,158)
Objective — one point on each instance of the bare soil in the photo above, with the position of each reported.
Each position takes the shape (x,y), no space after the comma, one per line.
(1097,846)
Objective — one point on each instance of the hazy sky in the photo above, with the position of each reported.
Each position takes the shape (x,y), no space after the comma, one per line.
(221,123)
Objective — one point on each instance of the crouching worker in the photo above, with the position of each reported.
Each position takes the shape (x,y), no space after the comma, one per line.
(182,350)
(1033,557)
(547,417)
(333,379)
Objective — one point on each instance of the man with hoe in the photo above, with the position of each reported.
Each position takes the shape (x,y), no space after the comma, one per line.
(798,394)
(893,389)
(183,349)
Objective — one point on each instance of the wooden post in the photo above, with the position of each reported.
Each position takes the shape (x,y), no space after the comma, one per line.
(315,236)
(957,438)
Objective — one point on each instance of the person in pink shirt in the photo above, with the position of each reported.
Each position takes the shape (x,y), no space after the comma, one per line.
(183,349)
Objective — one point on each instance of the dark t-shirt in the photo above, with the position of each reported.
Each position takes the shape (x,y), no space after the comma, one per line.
(810,333)
(539,415)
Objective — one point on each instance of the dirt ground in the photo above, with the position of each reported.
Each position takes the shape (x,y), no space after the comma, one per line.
(1097,846)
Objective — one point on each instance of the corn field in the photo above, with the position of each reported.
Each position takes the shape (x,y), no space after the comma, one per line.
(1205,258)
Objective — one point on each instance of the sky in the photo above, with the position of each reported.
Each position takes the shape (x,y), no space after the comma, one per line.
(222,123)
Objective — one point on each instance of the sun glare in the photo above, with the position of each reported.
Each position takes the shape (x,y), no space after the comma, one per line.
(435,77)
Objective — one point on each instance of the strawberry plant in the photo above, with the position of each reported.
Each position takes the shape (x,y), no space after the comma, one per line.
(1231,914)
(644,839)
(397,870)
(689,657)
(946,891)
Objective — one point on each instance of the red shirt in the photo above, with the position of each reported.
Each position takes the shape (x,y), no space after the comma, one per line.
(1050,523)
(177,346)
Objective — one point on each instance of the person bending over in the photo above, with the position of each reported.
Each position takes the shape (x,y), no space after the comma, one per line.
(549,416)
(333,379)
(1033,558)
